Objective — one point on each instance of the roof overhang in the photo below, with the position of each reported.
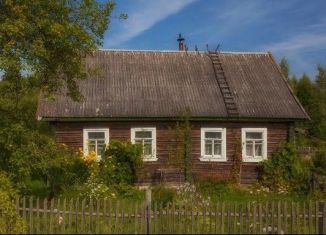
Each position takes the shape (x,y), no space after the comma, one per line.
(116,119)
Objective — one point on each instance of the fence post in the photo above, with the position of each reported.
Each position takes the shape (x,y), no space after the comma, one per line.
(148,209)
(322,218)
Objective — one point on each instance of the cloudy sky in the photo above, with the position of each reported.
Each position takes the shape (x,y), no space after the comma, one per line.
(294,29)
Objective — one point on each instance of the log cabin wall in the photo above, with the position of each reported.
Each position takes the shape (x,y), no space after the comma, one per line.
(71,133)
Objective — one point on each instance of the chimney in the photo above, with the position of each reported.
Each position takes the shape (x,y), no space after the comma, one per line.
(181,40)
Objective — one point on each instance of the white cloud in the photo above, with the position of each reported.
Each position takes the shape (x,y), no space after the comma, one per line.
(143,17)
(305,41)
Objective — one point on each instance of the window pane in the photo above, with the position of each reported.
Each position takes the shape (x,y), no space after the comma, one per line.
(147,148)
(208,147)
(100,149)
(143,134)
(249,149)
(217,148)
(258,150)
(254,135)
(96,135)
(214,135)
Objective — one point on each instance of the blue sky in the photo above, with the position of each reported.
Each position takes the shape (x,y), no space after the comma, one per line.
(295,29)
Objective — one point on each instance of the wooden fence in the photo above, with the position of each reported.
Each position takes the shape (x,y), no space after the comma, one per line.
(117,217)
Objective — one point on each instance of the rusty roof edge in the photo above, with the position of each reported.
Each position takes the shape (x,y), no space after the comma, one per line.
(288,85)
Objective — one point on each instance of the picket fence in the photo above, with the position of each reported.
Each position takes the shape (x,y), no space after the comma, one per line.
(127,217)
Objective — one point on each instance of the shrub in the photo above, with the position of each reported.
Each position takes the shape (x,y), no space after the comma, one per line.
(162,195)
(319,163)
(37,188)
(121,163)
(28,155)
(319,172)
(10,221)
(211,186)
(284,171)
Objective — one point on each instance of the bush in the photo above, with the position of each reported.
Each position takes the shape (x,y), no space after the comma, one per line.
(162,195)
(10,221)
(211,186)
(121,163)
(285,171)
(319,163)
(319,172)
(27,155)
(37,188)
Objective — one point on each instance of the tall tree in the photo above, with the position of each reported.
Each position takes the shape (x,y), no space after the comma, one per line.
(42,46)
(321,77)
(285,67)
(48,40)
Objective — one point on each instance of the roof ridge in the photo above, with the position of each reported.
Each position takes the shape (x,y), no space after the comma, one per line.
(177,51)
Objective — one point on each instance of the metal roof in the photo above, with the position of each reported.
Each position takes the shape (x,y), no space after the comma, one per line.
(133,84)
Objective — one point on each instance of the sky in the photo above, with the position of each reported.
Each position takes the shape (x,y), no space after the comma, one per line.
(294,29)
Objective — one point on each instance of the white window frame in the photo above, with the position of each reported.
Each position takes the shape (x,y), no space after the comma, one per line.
(153,157)
(85,138)
(245,158)
(213,158)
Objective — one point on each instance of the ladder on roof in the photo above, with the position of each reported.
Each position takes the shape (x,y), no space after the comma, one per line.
(227,94)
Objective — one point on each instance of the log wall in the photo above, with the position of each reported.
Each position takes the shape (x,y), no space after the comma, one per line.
(71,133)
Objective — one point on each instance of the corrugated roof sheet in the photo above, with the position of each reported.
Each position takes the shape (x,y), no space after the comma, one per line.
(163,84)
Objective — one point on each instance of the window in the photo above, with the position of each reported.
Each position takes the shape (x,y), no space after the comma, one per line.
(95,141)
(213,144)
(254,144)
(147,138)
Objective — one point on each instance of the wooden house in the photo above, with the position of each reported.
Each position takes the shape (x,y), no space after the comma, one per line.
(235,100)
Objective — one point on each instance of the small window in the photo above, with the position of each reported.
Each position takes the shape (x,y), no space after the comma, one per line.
(95,141)
(213,144)
(254,142)
(147,138)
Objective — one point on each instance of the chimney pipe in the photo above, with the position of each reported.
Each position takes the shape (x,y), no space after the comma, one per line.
(181,42)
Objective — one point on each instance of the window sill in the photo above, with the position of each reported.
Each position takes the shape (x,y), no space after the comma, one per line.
(150,159)
(206,159)
(253,160)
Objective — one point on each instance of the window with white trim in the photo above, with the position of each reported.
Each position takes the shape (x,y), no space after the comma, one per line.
(95,141)
(254,144)
(213,144)
(147,138)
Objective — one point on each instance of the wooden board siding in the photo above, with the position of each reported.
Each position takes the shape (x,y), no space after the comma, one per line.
(278,133)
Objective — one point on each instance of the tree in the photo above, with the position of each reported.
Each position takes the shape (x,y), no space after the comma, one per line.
(42,47)
(313,100)
(285,67)
(47,40)
(306,92)
(321,78)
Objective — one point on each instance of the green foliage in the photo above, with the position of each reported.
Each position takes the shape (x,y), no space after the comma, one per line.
(162,195)
(321,77)
(49,39)
(10,221)
(237,162)
(312,95)
(319,163)
(284,171)
(182,151)
(28,155)
(285,67)
(121,163)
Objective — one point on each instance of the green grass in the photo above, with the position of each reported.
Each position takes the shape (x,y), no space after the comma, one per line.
(226,192)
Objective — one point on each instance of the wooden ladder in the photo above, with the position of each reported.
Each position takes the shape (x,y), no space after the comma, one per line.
(227,94)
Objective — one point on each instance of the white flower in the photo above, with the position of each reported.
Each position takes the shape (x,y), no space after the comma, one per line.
(60,220)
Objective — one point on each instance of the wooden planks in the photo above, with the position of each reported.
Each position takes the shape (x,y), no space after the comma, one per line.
(119,217)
